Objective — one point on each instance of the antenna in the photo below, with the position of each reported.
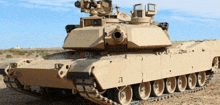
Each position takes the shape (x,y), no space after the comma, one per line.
(117,7)
(145,8)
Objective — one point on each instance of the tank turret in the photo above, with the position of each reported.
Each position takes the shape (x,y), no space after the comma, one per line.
(104,31)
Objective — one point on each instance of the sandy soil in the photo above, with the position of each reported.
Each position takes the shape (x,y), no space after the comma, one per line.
(2,84)
(209,96)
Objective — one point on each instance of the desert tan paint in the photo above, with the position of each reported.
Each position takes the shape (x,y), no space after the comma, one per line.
(43,78)
(85,38)
(137,68)
(150,36)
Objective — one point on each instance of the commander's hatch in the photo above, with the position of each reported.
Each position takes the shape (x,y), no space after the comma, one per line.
(140,12)
(152,10)
(140,16)
(122,16)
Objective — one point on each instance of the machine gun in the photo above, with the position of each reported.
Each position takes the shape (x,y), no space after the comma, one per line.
(101,8)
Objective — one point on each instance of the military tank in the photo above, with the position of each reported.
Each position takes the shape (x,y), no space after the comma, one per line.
(117,59)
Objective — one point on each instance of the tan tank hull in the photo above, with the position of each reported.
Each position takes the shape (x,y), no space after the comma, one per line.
(122,69)
(127,69)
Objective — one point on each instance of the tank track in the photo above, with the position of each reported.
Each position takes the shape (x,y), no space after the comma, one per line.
(87,89)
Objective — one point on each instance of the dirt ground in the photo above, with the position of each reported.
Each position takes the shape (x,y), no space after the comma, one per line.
(209,96)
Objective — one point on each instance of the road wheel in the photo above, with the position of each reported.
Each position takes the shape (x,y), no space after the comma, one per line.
(170,85)
(142,91)
(158,88)
(124,95)
(191,81)
(201,79)
(181,83)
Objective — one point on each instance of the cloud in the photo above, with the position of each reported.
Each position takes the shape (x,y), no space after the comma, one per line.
(202,8)
(2,2)
(198,21)
(43,7)
(192,19)
(66,3)
(54,5)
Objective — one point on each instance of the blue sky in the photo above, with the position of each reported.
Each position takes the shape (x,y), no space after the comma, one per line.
(41,23)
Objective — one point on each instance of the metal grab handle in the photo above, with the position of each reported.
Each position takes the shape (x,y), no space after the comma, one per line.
(7,70)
